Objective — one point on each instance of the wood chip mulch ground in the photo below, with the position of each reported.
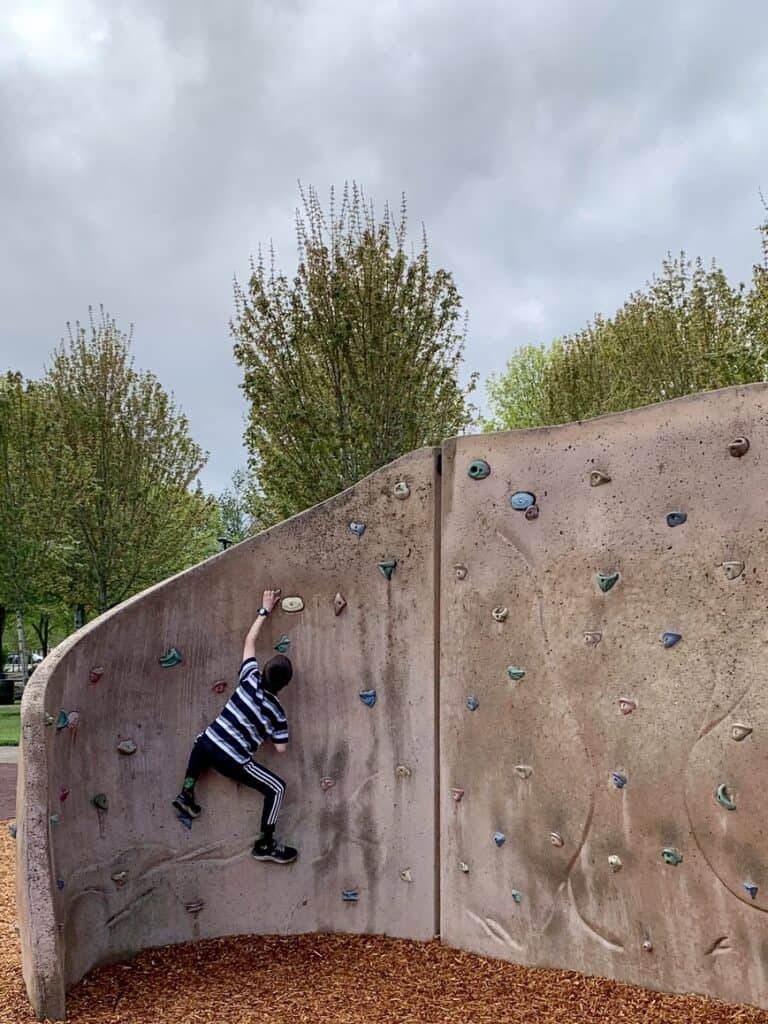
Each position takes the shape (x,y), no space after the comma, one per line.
(338,979)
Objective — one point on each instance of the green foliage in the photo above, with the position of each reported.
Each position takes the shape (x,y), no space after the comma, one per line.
(689,331)
(234,504)
(353,363)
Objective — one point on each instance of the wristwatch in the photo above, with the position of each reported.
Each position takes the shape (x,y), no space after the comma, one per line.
(263,611)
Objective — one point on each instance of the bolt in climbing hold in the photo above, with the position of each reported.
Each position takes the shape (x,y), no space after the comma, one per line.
(127,747)
(478,469)
(592,638)
(627,705)
(463,867)
(401,490)
(457,794)
(292,604)
(357,528)
(54,819)
(724,798)
(524,771)
(751,889)
(473,703)
(500,614)
(339,604)
(607,580)
(403,771)
(171,657)
(96,673)
(556,839)
(219,686)
(59,884)
(670,639)
(517,896)
(194,907)
(672,856)
(387,568)
(619,779)
(647,946)
(738,447)
(368,697)
(499,838)
(596,478)
(461,572)
(283,644)
(614,863)
(515,673)
(350,895)
(12,829)
(63,794)
(63,720)
(532,512)
(100,802)
(740,732)
(120,878)
(733,570)
(406,875)
(327,783)
(185,820)
(676,518)
(521,500)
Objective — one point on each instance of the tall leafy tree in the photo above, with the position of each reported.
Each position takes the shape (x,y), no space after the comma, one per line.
(234,503)
(133,510)
(353,362)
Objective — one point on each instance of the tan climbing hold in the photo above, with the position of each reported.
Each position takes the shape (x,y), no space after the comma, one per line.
(524,771)
(596,478)
(592,638)
(614,863)
(556,839)
(461,572)
(403,771)
(733,570)
(292,604)
(500,614)
(339,604)
(401,490)
(406,875)
(739,731)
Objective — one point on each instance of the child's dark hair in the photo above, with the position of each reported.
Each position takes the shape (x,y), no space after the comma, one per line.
(277,673)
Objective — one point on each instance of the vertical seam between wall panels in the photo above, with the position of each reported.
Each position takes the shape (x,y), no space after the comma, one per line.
(437,622)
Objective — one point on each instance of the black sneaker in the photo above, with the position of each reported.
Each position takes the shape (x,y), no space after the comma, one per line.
(185,804)
(270,850)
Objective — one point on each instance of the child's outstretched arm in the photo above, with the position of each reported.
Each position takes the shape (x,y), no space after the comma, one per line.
(268,601)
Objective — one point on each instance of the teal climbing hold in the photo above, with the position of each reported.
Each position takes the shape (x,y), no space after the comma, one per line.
(283,644)
(515,673)
(388,567)
(676,518)
(724,798)
(54,819)
(171,657)
(478,469)
(672,856)
(368,697)
(63,720)
(607,580)
(100,802)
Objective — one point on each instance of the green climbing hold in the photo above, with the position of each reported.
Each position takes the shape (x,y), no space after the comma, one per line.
(63,720)
(724,798)
(478,469)
(388,567)
(672,856)
(171,657)
(283,644)
(607,580)
(515,673)
(100,802)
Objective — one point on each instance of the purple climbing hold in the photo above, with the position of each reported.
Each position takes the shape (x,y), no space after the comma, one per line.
(59,884)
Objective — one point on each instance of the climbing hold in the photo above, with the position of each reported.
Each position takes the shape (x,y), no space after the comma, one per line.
(120,878)
(478,469)
(733,570)
(647,945)
(500,614)
(532,512)
(751,889)
(670,639)
(593,638)
(283,644)
(401,490)
(350,895)
(457,794)
(556,839)
(740,732)
(606,580)
(596,478)
(368,697)
(464,867)
(54,819)
(676,518)
(59,884)
(72,719)
(96,673)
(406,875)
(724,798)
(185,820)
(12,829)
(194,907)
(219,686)
(403,771)
(357,528)
(171,657)
(127,747)
(292,604)
(627,705)
(521,500)
(461,572)
(524,771)
(515,673)
(63,720)
(339,604)
(100,802)
(672,856)
(63,794)
(738,447)
(619,779)
(614,863)
(387,568)
(473,703)
(499,838)
(49,719)
(517,896)
(327,783)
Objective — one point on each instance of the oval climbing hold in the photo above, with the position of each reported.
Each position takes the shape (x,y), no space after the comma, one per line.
(499,838)
(556,839)
(733,570)
(751,889)
(339,604)
(96,673)
(292,604)
(401,490)
(724,798)
(532,512)
(521,500)
(607,580)
(194,907)
(403,771)
(670,639)
(514,672)
(127,747)
(100,802)
(387,568)
(464,867)
(592,638)
(596,478)
(671,856)
(473,703)
(478,469)
(461,572)
(406,875)
(647,946)
(619,779)
(614,862)
(739,731)
(738,447)
(676,518)
(517,896)
(500,614)
(219,686)
(350,895)
(524,771)
(327,783)
(627,705)
(283,644)
(457,794)
(171,657)
(368,697)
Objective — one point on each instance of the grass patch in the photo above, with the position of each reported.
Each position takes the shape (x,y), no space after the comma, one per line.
(10,725)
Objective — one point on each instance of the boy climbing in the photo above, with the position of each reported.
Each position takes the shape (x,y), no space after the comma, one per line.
(252,715)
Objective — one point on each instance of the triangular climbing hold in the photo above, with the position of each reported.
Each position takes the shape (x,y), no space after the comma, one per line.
(283,644)
(607,580)
(388,567)
(339,604)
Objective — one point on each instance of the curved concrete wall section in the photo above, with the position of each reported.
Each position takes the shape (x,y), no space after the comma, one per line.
(105,868)
(602,805)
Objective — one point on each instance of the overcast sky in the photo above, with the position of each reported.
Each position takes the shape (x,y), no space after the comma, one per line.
(555,152)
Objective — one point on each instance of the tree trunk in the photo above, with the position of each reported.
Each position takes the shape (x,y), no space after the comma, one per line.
(22,646)
(79,616)
(42,629)
(2,630)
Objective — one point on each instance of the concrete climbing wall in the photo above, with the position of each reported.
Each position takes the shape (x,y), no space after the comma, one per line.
(603,805)
(105,868)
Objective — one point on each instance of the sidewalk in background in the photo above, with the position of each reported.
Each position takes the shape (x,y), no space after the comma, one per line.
(9,755)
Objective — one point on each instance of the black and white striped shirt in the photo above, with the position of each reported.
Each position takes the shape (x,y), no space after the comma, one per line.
(250,716)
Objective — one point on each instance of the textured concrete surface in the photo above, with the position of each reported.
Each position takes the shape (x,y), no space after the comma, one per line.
(537,756)
(7,790)
(96,885)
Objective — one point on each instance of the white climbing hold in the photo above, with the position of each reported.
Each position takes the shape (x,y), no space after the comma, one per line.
(614,862)
(500,614)
(401,490)
(556,839)
(406,875)
(524,771)
(464,867)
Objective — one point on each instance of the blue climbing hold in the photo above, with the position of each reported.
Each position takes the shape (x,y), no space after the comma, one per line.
(676,518)
(478,469)
(499,838)
(473,703)
(357,528)
(368,697)
(350,895)
(186,821)
(517,896)
(619,779)
(751,889)
(59,884)
(521,500)
(670,639)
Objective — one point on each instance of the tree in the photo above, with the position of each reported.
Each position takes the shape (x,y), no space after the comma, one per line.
(353,363)
(128,465)
(235,520)
(689,331)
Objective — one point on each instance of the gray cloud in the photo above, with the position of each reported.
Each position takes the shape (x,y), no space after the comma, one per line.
(554,151)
